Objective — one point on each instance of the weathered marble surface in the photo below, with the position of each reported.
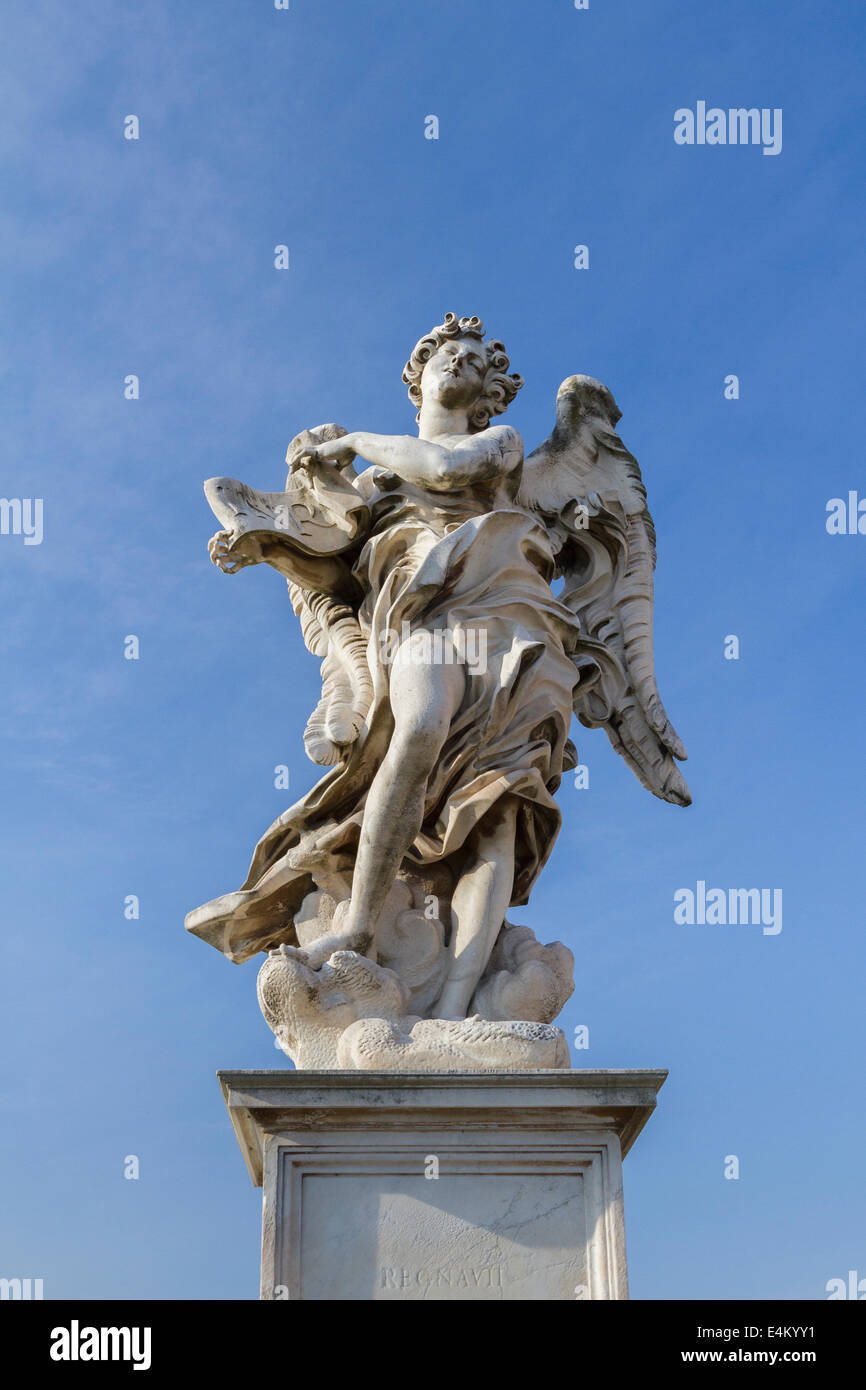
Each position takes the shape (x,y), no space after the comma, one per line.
(450,675)
(354,1013)
(492,1235)
(527,1204)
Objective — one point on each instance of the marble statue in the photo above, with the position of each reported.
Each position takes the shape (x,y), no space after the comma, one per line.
(450,672)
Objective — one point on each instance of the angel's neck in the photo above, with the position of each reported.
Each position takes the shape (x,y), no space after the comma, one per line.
(435,420)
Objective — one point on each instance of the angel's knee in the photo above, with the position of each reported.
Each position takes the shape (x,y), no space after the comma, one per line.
(493,837)
(424,699)
(417,743)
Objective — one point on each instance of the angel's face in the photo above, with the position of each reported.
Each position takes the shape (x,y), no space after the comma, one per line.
(454,375)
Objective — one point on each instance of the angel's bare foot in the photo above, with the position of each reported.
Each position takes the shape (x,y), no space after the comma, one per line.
(347,937)
(324,948)
(294,952)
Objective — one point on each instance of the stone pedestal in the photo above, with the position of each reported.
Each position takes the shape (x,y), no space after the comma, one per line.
(440,1186)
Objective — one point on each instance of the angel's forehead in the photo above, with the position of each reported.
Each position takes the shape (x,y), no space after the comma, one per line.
(468,344)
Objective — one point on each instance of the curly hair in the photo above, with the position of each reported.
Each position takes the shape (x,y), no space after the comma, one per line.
(499,388)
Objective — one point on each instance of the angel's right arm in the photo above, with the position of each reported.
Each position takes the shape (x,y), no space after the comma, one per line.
(482,457)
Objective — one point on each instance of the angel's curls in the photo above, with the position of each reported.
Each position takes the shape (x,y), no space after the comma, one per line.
(500,387)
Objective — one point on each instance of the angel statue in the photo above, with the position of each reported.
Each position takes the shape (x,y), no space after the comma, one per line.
(450,672)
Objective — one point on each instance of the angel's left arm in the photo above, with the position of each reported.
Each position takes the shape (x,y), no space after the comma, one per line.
(482,457)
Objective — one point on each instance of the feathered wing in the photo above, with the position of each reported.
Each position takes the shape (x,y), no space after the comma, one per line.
(588,491)
(331,630)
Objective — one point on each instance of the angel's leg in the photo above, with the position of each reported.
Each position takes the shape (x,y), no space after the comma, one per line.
(424,700)
(478,910)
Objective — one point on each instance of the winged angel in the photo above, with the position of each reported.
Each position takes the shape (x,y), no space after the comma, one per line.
(443,769)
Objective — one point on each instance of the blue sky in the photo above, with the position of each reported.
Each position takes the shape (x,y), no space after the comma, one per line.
(155,777)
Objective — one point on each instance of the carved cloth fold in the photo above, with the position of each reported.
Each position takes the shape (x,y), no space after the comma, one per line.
(433,563)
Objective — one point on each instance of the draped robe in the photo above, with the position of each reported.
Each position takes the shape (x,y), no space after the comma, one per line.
(459,561)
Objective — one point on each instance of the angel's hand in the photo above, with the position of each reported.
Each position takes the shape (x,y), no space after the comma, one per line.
(334,451)
(339,451)
(324,444)
(302,461)
(217,549)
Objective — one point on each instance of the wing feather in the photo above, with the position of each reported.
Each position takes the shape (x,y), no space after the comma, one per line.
(331,630)
(588,490)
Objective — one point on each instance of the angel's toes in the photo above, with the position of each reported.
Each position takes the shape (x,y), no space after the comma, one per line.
(294,952)
(321,951)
